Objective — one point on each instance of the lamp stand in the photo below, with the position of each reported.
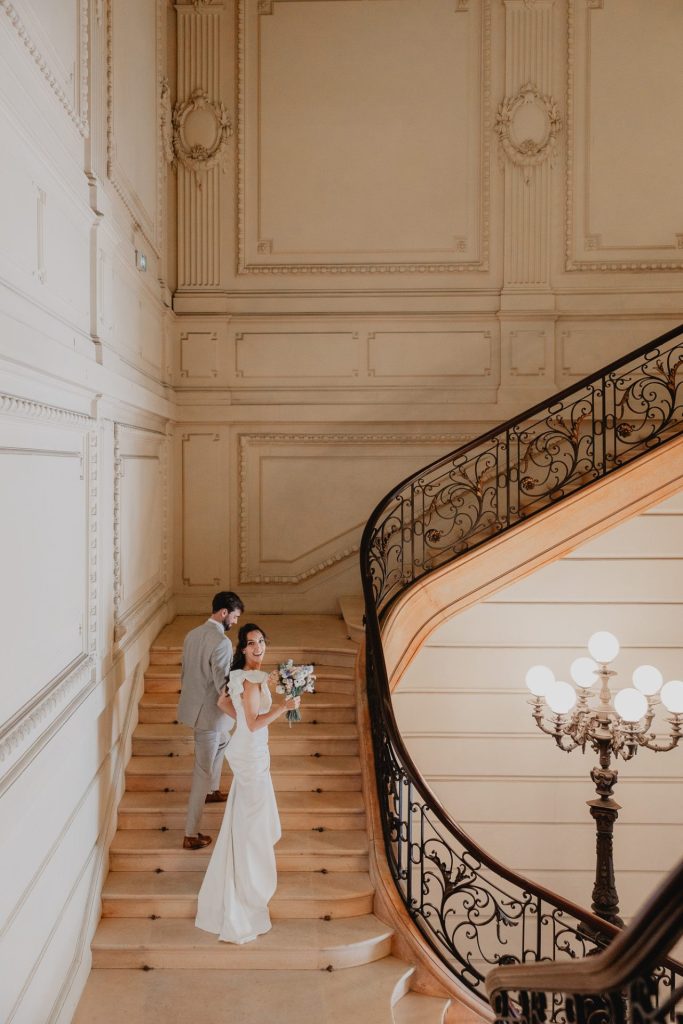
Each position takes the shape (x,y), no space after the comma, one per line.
(604,812)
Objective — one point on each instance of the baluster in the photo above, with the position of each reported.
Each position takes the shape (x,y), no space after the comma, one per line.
(410,845)
(399,863)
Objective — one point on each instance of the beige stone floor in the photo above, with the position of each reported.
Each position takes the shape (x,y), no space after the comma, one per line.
(357,995)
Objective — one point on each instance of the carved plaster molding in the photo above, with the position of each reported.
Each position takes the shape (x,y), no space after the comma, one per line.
(15,406)
(246,574)
(528,153)
(196,158)
(20,728)
(78,112)
(265,246)
(166,121)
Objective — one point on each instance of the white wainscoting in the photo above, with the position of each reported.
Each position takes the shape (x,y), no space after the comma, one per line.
(84,466)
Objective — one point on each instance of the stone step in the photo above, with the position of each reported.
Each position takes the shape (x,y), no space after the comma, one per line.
(300,894)
(161,707)
(415,1008)
(323,684)
(174,774)
(318,656)
(289,945)
(154,850)
(362,994)
(298,811)
(300,738)
(322,671)
(352,607)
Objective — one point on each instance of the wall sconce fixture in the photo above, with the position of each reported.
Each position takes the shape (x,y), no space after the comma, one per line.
(612,725)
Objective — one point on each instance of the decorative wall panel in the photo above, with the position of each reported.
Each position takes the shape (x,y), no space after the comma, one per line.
(204,535)
(528,125)
(287,534)
(137,330)
(625,163)
(135,63)
(48,469)
(45,232)
(197,135)
(140,526)
(354,154)
(528,353)
(439,356)
(198,355)
(282,355)
(583,350)
(55,34)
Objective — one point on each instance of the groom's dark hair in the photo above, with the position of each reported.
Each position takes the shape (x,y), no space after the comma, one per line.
(226,599)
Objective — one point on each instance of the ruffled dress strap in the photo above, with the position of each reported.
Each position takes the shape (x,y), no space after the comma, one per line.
(236,684)
(237,677)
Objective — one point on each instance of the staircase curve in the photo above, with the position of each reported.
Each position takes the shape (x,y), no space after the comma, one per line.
(470,523)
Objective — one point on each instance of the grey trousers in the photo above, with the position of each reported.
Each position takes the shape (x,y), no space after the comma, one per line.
(209,748)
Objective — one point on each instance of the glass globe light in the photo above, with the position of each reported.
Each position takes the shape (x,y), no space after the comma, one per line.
(604,647)
(630,704)
(561,697)
(672,696)
(539,678)
(647,679)
(583,671)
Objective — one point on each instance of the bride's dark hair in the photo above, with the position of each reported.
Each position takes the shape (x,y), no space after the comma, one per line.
(239,658)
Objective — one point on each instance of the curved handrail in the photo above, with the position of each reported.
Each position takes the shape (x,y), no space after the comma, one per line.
(621,983)
(468,905)
(658,925)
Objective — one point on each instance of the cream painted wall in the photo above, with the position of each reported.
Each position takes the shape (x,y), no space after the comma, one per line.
(85,463)
(413,219)
(463,710)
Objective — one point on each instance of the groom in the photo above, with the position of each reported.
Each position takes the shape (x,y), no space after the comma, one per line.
(207,654)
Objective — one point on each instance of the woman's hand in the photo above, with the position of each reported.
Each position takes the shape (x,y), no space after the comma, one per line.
(291,703)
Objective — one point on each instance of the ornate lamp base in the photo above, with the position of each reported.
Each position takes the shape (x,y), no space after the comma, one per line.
(605,899)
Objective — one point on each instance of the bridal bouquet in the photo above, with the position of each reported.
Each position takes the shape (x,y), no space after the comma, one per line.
(293,681)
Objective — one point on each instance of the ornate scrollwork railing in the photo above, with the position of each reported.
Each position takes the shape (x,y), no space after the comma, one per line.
(623,984)
(471,910)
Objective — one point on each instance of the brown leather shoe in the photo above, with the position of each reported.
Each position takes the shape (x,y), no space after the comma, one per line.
(216,797)
(197,842)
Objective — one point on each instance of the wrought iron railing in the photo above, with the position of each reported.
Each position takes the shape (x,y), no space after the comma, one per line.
(472,911)
(624,984)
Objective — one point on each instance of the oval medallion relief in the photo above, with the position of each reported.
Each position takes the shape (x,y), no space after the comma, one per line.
(528,126)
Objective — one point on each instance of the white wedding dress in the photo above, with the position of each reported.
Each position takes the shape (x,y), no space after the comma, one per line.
(241,877)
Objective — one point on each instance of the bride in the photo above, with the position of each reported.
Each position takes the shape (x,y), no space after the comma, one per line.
(241,877)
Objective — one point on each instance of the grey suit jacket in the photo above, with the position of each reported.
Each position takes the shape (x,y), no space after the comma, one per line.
(207,654)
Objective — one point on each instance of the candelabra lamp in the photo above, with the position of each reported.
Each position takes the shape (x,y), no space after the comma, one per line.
(613,726)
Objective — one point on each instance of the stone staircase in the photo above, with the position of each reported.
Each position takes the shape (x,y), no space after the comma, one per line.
(147,954)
